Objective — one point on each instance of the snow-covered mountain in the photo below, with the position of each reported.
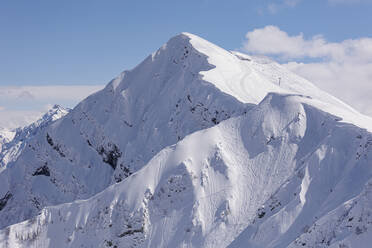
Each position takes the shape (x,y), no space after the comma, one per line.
(264,179)
(12,142)
(204,156)
(5,137)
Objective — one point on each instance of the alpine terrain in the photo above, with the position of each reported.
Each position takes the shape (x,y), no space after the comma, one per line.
(195,147)
(12,142)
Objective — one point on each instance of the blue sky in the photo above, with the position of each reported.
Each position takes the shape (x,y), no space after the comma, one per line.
(81,42)
(89,42)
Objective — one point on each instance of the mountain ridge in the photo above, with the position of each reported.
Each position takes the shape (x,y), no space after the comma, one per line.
(218,182)
(16,139)
(202,148)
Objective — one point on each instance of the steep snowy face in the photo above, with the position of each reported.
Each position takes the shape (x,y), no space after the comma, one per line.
(349,225)
(330,187)
(154,105)
(13,142)
(265,179)
(188,85)
(5,137)
(250,78)
(113,133)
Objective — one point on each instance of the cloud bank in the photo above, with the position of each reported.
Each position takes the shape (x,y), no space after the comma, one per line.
(21,105)
(344,68)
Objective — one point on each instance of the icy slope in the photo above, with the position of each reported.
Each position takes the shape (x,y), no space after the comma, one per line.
(15,140)
(265,179)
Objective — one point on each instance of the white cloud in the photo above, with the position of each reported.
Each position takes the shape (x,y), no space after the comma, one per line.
(10,119)
(274,7)
(350,82)
(51,92)
(348,1)
(291,3)
(270,40)
(344,68)
(21,105)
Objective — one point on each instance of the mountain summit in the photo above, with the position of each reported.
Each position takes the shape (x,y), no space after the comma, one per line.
(195,147)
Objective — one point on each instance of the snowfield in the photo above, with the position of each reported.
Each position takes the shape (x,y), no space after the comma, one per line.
(195,147)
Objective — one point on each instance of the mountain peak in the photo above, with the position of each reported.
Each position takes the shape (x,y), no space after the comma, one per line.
(250,111)
(15,141)
(186,36)
(57,106)
(55,112)
(250,78)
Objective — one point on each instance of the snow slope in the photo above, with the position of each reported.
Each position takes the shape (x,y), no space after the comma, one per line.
(5,136)
(245,174)
(14,141)
(114,132)
(264,179)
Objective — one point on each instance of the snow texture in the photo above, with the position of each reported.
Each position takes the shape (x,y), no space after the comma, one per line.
(202,148)
(12,142)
